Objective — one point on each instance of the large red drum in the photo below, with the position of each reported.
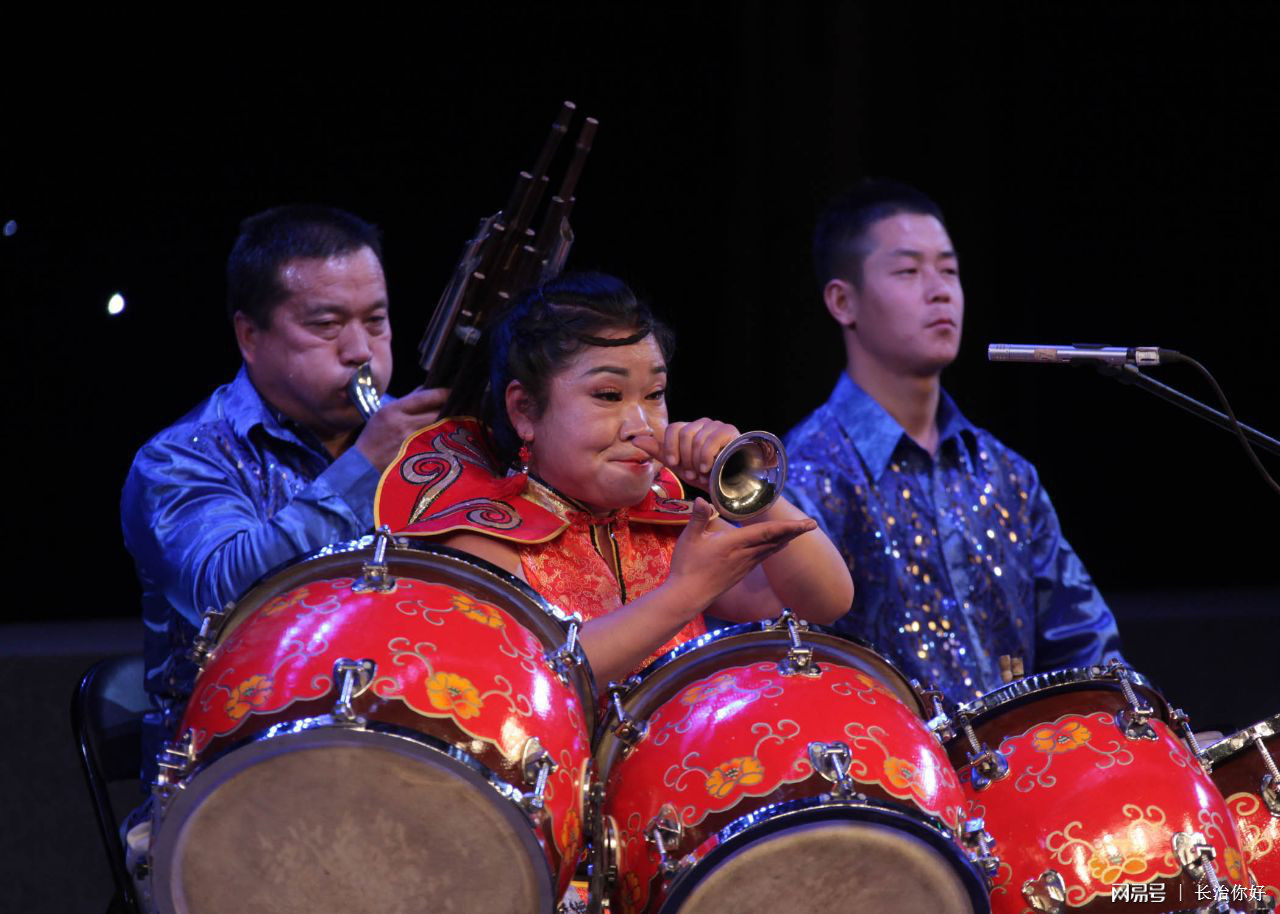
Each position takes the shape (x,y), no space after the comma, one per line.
(1094,801)
(773,767)
(1245,769)
(375,732)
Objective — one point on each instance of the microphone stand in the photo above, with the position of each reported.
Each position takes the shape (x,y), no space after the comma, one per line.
(1131,374)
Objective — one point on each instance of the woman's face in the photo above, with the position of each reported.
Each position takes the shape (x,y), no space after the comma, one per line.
(582,443)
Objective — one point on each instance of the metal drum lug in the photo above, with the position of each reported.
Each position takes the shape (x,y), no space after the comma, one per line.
(799,660)
(665,832)
(564,659)
(352,678)
(173,763)
(628,730)
(1270,787)
(1196,855)
(978,841)
(985,764)
(536,765)
(832,761)
(940,723)
(375,576)
(202,646)
(1047,892)
(1133,721)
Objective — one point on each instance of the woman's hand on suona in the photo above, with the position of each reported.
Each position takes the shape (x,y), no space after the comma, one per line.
(711,555)
(688,449)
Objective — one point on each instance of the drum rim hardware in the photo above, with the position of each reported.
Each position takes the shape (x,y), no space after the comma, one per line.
(1046,893)
(799,660)
(832,762)
(1240,741)
(352,677)
(1051,681)
(1196,855)
(375,576)
(986,765)
(1134,721)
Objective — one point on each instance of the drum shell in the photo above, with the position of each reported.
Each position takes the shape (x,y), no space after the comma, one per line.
(460,652)
(1084,800)
(1238,768)
(724,700)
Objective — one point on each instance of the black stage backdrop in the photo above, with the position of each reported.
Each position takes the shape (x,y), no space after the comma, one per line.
(1107,178)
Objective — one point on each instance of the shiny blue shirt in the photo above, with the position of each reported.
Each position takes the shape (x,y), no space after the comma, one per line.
(214,502)
(957,558)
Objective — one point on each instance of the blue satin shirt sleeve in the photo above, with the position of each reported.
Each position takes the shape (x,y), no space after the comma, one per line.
(199,520)
(1074,626)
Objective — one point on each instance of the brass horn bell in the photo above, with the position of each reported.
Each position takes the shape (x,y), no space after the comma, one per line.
(748,475)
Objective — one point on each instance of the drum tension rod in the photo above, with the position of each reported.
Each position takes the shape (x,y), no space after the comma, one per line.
(536,765)
(1196,856)
(628,730)
(174,762)
(974,836)
(1270,781)
(1180,719)
(1134,721)
(354,677)
(665,833)
(986,764)
(832,761)
(799,659)
(207,638)
(375,576)
(567,656)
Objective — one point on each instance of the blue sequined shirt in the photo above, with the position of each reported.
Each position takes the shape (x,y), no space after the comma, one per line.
(956,558)
(214,502)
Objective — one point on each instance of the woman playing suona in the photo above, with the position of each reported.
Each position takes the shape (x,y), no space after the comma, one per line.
(591,514)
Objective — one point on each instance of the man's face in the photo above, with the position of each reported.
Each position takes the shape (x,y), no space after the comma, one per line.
(908,313)
(333,320)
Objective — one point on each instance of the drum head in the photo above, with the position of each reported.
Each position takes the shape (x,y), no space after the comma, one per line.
(832,862)
(331,819)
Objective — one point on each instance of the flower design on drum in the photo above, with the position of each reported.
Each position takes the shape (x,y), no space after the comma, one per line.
(570,832)
(1235,865)
(712,687)
(454,693)
(1108,864)
(633,896)
(737,772)
(903,775)
(485,615)
(250,694)
(1056,740)
(279,604)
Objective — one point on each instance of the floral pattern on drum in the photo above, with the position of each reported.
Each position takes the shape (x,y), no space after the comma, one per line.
(743,732)
(1101,809)
(443,653)
(1259,831)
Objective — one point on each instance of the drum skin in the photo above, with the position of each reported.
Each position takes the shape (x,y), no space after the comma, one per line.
(728,733)
(459,652)
(1238,769)
(1095,806)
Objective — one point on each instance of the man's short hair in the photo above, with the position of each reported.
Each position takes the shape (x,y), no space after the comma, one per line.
(840,242)
(270,239)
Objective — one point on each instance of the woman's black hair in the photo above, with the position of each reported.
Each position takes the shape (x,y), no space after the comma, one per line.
(532,339)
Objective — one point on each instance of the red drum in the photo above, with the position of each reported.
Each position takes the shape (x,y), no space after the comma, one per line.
(770,767)
(1244,768)
(1094,802)
(378,730)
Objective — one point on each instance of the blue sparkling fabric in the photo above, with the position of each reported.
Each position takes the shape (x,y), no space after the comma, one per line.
(214,502)
(956,558)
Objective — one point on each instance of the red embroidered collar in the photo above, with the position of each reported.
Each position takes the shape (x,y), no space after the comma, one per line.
(443,480)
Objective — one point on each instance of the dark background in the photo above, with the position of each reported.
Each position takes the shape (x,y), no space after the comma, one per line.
(1106,173)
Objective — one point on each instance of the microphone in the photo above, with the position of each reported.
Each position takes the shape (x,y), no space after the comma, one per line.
(1082,353)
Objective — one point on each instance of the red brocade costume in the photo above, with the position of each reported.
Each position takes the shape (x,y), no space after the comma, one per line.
(443,480)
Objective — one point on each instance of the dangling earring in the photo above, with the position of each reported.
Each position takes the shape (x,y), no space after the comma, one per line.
(525,456)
